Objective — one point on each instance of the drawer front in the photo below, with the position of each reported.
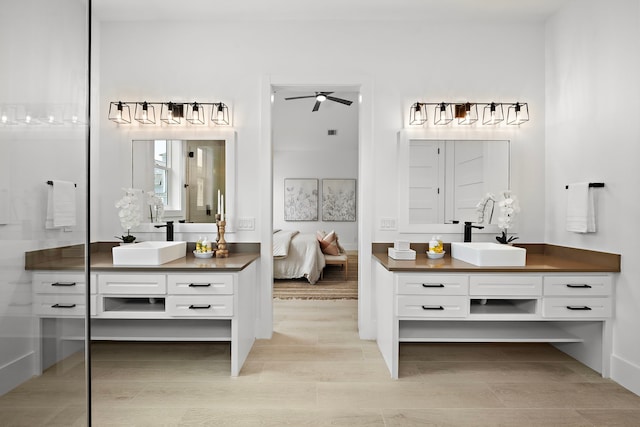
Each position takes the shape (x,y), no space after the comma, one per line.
(200,284)
(427,284)
(505,285)
(580,308)
(130,284)
(432,306)
(62,305)
(62,283)
(577,285)
(200,306)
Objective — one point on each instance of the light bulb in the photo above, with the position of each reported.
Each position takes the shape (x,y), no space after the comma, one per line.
(51,119)
(4,118)
(27,119)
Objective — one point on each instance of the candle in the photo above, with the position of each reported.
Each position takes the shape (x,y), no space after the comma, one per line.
(222,208)
(218,210)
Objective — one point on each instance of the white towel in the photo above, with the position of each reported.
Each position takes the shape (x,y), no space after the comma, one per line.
(580,208)
(61,205)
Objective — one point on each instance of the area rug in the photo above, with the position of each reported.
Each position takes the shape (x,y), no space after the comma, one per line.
(332,285)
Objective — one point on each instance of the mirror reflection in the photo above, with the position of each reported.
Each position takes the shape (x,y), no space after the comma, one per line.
(444,180)
(187,175)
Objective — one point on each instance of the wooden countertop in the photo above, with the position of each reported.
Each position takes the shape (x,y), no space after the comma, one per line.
(541,258)
(71,258)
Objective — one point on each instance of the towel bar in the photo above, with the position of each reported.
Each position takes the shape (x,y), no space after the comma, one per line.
(51,183)
(591,185)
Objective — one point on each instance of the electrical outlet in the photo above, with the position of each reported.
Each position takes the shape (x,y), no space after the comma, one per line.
(247,224)
(387,224)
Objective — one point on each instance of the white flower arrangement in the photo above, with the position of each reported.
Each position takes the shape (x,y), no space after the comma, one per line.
(481,207)
(509,208)
(129,214)
(155,206)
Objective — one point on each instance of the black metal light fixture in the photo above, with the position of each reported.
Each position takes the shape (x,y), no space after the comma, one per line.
(172,113)
(220,114)
(119,112)
(467,113)
(195,114)
(518,113)
(443,114)
(145,113)
(492,114)
(418,114)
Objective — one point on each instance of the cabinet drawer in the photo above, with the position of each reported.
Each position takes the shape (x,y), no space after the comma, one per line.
(200,284)
(200,306)
(131,284)
(427,284)
(577,285)
(432,306)
(505,285)
(62,305)
(584,307)
(62,283)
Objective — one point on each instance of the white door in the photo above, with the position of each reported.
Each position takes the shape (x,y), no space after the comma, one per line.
(426,201)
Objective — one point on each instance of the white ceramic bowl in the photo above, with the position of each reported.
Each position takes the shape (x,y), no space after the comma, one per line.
(435,255)
(203,254)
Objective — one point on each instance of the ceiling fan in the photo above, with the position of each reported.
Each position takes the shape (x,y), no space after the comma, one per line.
(320,98)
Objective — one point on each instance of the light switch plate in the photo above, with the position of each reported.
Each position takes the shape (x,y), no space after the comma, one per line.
(246,224)
(387,224)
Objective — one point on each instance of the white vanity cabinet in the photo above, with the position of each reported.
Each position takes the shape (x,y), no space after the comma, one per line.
(572,311)
(157,305)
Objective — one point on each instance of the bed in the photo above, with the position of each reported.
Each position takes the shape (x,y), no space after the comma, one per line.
(297,255)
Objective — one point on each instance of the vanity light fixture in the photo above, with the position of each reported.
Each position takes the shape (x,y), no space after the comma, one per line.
(220,114)
(172,113)
(518,113)
(195,114)
(443,114)
(492,114)
(467,113)
(145,113)
(418,114)
(119,112)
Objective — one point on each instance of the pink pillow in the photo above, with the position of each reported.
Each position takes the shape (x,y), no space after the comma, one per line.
(328,243)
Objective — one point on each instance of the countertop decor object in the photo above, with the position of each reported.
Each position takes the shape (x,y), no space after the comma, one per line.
(435,255)
(203,254)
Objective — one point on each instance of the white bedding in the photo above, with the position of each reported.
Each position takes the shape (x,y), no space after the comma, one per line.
(281,243)
(304,259)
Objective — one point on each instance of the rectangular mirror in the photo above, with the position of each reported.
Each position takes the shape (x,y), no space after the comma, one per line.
(442,181)
(190,176)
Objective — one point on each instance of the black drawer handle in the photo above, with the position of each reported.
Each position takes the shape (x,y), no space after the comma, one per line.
(432,307)
(199,285)
(64,284)
(199,307)
(579,286)
(63,306)
(582,307)
(432,285)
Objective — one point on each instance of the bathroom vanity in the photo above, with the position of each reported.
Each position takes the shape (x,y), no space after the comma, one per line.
(562,296)
(188,299)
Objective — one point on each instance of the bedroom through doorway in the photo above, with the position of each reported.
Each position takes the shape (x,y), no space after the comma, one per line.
(315,202)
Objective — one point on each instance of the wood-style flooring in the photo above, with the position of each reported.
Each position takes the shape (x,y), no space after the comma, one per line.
(317,372)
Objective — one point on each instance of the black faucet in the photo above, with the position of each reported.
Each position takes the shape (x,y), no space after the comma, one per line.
(169,226)
(467,230)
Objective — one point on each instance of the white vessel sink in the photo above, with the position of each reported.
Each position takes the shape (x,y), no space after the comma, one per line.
(486,254)
(148,253)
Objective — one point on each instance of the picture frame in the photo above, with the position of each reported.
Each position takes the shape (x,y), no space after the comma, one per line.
(339,200)
(301,199)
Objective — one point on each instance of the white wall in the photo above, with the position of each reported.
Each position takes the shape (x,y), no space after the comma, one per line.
(302,149)
(43,64)
(593,101)
(447,66)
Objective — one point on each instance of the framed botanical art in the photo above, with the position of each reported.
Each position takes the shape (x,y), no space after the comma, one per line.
(338,199)
(300,199)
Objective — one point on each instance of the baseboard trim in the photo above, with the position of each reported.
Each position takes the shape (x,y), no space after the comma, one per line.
(16,372)
(626,374)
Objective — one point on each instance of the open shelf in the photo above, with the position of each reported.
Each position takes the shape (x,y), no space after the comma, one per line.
(502,306)
(134,304)
(489,331)
(161,329)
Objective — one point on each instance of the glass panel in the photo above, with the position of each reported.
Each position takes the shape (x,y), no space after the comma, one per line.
(43,230)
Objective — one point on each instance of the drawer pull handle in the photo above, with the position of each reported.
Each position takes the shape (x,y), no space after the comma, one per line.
(432,307)
(432,285)
(199,285)
(583,307)
(579,286)
(63,284)
(199,307)
(63,306)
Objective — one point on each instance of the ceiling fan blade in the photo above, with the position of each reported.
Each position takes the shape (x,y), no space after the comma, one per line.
(340,100)
(325,93)
(315,107)
(300,97)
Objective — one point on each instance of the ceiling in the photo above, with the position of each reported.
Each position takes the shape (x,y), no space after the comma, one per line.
(347,10)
